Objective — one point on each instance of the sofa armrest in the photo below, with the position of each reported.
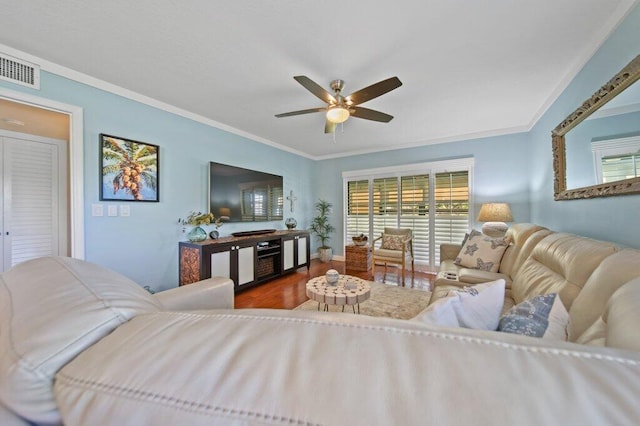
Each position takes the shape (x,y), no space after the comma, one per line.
(449,251)
(212,293)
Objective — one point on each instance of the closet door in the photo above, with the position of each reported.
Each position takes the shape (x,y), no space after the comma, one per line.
(34,199)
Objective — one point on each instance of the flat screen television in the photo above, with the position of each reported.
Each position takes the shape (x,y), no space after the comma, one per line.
(243,195)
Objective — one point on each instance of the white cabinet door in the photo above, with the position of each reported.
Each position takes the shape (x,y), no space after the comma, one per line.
(221,264)
(246,257)
(302,251)
(287,255)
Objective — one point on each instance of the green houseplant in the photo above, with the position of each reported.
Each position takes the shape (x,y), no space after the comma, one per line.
(321,227)
(195,219)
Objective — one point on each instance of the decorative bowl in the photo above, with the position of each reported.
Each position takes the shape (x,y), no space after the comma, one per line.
(332,276)
(360,240)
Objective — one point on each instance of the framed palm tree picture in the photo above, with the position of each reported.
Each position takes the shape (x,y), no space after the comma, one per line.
(129,170)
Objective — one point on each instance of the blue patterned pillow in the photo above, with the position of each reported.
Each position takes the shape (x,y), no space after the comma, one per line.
(542,316)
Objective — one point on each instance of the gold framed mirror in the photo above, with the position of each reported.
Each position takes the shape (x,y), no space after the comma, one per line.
(619,83)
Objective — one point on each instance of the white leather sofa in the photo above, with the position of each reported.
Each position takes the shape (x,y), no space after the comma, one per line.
(85,346)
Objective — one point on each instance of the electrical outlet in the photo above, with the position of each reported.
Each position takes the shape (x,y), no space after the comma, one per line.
(124,210)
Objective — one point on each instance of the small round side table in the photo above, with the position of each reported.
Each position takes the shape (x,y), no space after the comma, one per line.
(349,291)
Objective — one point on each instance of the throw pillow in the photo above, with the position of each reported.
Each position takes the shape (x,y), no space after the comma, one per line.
(477,306)
(482,252)
(542,316)
(392,242)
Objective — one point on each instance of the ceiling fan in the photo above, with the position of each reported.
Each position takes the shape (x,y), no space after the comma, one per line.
(339,108)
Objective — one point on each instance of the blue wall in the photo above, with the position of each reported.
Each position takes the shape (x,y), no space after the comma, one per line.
(612,218)
(144,246)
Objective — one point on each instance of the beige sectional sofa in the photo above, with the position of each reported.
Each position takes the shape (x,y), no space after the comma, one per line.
(584,272)
(82,345)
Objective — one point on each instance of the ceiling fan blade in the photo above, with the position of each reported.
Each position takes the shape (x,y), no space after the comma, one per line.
(329,127)
(302,111)
(373,91)
(370,114)
(315,88)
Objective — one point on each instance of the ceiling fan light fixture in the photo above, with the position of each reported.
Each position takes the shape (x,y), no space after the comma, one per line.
(337,114)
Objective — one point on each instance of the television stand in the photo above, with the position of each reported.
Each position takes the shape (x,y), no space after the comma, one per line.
(248,259)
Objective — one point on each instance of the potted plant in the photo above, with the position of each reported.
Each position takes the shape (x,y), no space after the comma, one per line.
(322,228)
(195,219)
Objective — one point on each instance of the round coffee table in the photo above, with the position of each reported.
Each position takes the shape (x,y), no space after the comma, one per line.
(348,291)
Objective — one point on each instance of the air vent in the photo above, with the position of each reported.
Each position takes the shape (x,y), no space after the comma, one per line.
(19,72)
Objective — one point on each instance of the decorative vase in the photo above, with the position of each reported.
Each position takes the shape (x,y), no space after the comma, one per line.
(197,234)
(332,276)
(291,223)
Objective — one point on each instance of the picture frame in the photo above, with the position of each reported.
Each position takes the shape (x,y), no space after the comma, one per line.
(129,170)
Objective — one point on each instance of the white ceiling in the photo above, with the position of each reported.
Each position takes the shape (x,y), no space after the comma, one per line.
(469,68)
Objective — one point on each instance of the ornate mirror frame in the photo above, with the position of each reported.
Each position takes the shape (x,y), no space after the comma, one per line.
(625,78)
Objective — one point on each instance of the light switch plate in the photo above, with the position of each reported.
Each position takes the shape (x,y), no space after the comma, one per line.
(112,210)
(124,210)
(97,210)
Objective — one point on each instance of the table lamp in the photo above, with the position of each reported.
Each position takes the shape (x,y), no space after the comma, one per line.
(495,215)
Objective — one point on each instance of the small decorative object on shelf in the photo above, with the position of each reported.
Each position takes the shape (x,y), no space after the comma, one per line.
(196,219)
(214,234)
(197,234)
(332,276)
(291,223)
(360,240)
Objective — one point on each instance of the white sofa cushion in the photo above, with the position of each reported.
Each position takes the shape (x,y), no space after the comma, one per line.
(560,263)
(307,367)
(476,307)
(611,274)
(618,325)
(52,309)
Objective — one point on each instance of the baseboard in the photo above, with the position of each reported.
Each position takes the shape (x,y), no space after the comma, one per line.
(334,257)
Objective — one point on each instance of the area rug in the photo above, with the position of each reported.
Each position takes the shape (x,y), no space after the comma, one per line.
(385,301)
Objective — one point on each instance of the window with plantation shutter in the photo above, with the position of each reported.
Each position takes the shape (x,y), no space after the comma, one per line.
(616,159)
(357,216)
(620,167)
(451,209)
(385,204)
(433,199)
(414,213)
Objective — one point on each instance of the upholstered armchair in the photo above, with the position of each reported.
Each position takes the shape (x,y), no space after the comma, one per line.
(395,247)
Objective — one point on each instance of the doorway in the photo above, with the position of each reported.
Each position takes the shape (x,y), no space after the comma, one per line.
(74,200)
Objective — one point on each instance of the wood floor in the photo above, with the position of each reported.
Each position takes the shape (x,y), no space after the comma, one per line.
(288,291)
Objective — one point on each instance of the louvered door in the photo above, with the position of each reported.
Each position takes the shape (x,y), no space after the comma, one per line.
(34,199)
